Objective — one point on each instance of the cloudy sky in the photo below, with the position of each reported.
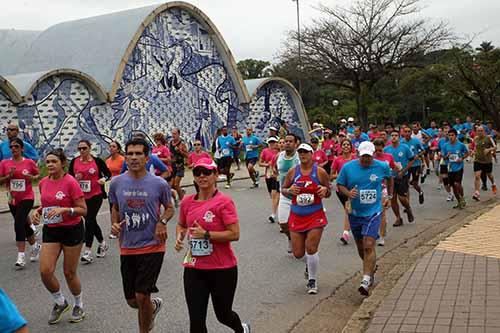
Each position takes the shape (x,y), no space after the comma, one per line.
(252,28)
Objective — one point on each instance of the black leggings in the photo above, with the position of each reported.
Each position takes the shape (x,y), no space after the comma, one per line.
(91,227)
(221,285)
(20,213)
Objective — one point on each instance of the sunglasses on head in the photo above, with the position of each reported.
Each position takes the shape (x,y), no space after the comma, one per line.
(199,171)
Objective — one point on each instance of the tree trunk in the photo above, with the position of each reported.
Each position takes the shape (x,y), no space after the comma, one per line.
(361,103)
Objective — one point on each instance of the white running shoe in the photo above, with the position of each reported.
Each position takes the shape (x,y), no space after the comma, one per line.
(312,287)
(450,197)
(21,261)
(246,328)
(381,241)
(87,257)
(289,250)
(101,250)
(157,302)
(111,236)
(35,252)
(364,287)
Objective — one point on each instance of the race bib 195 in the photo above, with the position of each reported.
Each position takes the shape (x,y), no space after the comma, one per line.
(200,247)
(18,185)
(85,185)
(45,216)
(305,199)
(367,197)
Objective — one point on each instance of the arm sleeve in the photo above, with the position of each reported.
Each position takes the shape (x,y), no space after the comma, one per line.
(30,152)
(71,170)
(158,164)
(228,212)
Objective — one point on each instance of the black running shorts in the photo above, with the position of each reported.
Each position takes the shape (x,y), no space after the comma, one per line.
(140,273)
(67,236)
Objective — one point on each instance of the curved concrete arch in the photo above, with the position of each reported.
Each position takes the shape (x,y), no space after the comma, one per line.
(217,37)
(10,90)
(255,85)
(85,78)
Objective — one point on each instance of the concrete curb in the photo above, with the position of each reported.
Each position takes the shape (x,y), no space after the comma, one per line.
(361,318)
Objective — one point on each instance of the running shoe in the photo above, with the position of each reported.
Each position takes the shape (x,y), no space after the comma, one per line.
(101,250)
(36,230)
(422,179)
(312,287)
(157,302)
(35,252)
(463,203)
(289,250)
(484,187)
(246,328)
(364,287)
(450,197)
(381,241)
(428,172)
(257,177)
(57,312)
(21,261)
(398,223)
(87,258)
(271,219)
(227,186)
(111,236)
(494,189)
(77,315)
(476,196)
(345,238)
(421,198)
(411,218)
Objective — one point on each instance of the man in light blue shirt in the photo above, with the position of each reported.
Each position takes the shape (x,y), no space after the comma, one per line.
(225,145)
(10,318)
(13,132)
(404,159)
(361,181)
(455,152)
(415,171)
(251,145)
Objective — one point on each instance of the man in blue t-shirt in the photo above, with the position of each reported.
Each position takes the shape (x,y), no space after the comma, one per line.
(358,137)
(13,132)
(361,181)
(10,318)
(251,145)
(404,159)
(455,152)
(225,145)
(416,169)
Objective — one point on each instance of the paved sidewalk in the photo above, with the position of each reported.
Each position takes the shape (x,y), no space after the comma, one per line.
(186,182)
(454,288)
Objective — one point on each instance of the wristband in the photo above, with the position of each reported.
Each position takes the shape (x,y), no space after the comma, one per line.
(71,211)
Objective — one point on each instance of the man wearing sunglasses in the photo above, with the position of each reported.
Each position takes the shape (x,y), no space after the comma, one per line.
(13,132)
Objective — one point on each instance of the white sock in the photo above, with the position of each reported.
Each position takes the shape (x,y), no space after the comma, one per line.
(367,278)
(20,254)
(312,265)
(58,297)
(33,227)
(273,215)
(78,300)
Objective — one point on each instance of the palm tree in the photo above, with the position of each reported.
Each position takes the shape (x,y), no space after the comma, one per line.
(485,46)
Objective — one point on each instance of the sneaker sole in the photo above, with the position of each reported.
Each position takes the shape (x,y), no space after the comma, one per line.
(363,291)
(19,267)
(312,292)
(343,241)
(77,320)
(60,316)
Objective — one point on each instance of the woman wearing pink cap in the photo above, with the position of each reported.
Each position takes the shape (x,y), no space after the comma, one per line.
(210,221)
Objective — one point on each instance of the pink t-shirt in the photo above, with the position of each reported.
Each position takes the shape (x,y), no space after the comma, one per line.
(339,163)
(267,155)
(61,193)
(87,175)
(212,215)
(19,185)
(319,156)
(373,136)
(194,157)
(328,147)
(162,152)
(385,157)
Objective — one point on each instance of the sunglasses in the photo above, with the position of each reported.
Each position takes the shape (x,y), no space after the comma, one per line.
(11,129)
(197,144)
(15,146)
(82,148)
(202,171)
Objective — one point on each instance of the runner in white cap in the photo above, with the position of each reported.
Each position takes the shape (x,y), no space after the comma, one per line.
(361,180)
(267,156)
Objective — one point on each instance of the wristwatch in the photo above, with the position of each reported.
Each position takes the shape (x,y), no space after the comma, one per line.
(164,221)
(207,235)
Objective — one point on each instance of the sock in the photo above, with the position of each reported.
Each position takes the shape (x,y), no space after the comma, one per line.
(58,297)
(367,278)
(78,300)
(312,265)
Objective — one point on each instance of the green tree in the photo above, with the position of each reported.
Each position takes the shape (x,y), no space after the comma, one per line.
(254,69)
(354,48)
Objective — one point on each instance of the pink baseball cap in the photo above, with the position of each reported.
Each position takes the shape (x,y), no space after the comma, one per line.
(206,163)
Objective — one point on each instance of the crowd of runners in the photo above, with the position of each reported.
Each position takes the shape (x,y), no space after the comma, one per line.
(368,171)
